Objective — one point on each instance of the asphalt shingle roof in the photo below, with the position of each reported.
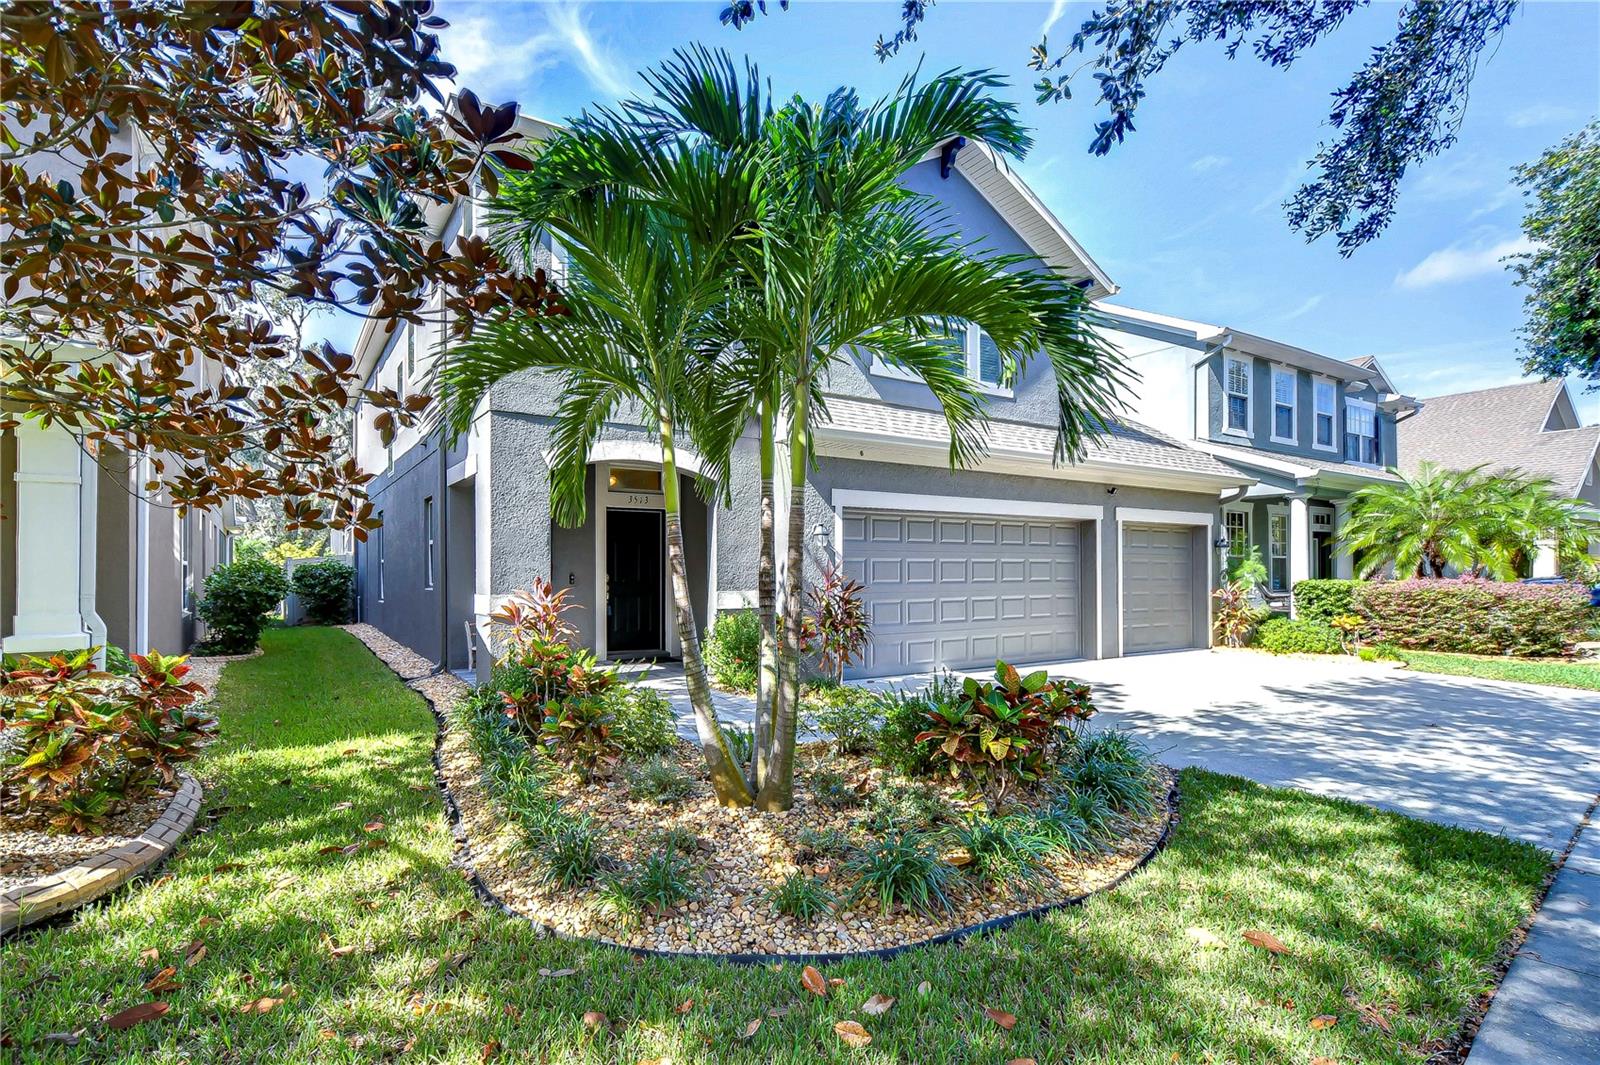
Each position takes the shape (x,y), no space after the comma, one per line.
(1502,428)
(1124,443)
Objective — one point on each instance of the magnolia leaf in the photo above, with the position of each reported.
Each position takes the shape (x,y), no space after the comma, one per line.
(924,987)
(852,1033)
(752,1028)
(877,1005)
(1323,1020)
(1265,940)
(813,982)
(684,1007)
(144,1011)
(595,1019)
(264,1004)
(1005,1020)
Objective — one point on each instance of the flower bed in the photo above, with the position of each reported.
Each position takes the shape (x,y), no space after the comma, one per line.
(639,854)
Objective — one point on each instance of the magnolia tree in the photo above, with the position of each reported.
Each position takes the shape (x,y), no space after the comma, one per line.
(163,165)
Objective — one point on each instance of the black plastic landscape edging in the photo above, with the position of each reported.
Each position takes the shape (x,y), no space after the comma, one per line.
(464,861)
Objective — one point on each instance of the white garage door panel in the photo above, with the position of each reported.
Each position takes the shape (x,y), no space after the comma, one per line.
(1157,588)
(960,592)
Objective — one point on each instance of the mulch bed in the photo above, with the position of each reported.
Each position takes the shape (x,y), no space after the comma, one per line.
(739,854)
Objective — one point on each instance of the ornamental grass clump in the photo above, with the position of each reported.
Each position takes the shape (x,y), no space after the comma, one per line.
(900,871)
(1001,850)
(659,780)
(803,898)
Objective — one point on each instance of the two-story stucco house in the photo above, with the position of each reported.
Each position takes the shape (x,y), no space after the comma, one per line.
(1017,558)
(1308,429)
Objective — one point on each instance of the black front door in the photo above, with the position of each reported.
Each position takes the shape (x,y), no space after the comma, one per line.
(635,551)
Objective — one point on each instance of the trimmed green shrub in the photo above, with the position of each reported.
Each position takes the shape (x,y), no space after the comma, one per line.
(1324,599)
(903,716)
(644,721)
(1283,636)
(733,649)
(118,662)
(847,714)
(238,600)
(1472,616)
(325,589)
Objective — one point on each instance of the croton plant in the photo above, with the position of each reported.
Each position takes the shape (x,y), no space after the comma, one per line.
(80,741)
(1011,730)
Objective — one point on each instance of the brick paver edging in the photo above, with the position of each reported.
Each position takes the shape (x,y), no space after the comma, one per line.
(69,888)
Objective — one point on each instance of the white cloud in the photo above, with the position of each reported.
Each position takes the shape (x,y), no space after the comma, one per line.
(1208,163)
(1057,9)
(1459,264)
(486,53)
(1508,195)
(1454,366)
(604,71)
(1542,115)
(1305,308)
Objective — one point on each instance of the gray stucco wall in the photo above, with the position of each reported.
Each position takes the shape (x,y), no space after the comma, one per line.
(408,608)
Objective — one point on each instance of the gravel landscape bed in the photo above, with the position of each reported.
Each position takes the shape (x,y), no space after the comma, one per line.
(30,850)
(738,855)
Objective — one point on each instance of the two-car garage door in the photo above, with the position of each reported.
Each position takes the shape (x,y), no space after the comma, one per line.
(960,591)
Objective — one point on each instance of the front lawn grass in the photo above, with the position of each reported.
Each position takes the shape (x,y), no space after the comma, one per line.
(386,952)
(1522,670)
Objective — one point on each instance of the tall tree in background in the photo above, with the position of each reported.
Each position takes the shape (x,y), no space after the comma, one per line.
(1403,106)
(1562,272)
(148,162)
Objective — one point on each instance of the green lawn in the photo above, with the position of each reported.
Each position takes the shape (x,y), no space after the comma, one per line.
(1525,671)
(320,740)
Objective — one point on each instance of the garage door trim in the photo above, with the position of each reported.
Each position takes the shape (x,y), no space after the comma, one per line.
(1146,516)
(980,506)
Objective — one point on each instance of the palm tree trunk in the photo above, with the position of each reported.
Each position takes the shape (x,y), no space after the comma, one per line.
(727,779)
(767,598)
(777,791)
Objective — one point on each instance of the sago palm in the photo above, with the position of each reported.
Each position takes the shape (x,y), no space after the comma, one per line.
(1421,525)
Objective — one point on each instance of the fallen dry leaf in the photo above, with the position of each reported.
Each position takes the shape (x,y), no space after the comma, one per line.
(512,1012)
(1001,1017)
(150,954)
(556,973)
(1265,940)
(835,981)
(263,1004)
(341,806)
(751,1029)
(326,1034)
(778,1011)
(227,867)
(490,1049)
(924,987)
(349,751)
(1022,1061)
(684,1007)
(162,980)
(332,848)
(194,953)
(813,982)
(852,1033)
(207,921)
(70,1039)
(373,826)
(144,1011)
(1323,1020)
(1323,1061)
(877,1005)
(595,1019)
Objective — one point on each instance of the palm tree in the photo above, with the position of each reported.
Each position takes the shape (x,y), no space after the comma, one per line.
(1466,520)
(847,259)
(796,217)
(642,300)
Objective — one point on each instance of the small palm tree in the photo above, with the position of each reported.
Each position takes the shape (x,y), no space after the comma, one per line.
(642,301)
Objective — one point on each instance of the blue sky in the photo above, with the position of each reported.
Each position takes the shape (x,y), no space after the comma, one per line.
(1185,216)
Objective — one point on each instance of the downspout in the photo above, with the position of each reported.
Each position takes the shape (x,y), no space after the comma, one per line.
(441,547)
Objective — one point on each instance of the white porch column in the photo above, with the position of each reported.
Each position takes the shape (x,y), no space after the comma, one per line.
(1546,562)
(1299,544)
(1344,565)
(56,486)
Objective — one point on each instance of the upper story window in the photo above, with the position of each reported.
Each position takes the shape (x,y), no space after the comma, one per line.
(972,349)
(1325,398)
(1284,414)
(1236,382)
(1361,433)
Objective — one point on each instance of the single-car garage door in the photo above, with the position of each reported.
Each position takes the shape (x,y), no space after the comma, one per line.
(1157,588)
(961,591)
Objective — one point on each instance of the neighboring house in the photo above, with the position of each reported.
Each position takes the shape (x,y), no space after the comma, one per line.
(1015,558)
(1532,428)
(87,556)
(1309,429)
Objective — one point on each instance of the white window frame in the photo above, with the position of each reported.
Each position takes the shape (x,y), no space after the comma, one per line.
(1243,513)
(378,534)
(185,566)
(1361,407)
(1228,393)
(1275,514)
(427,532)
(971,351)
(1293,376)
(1318,385)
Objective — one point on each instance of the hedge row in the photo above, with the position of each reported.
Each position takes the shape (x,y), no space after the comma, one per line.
(1467,616)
